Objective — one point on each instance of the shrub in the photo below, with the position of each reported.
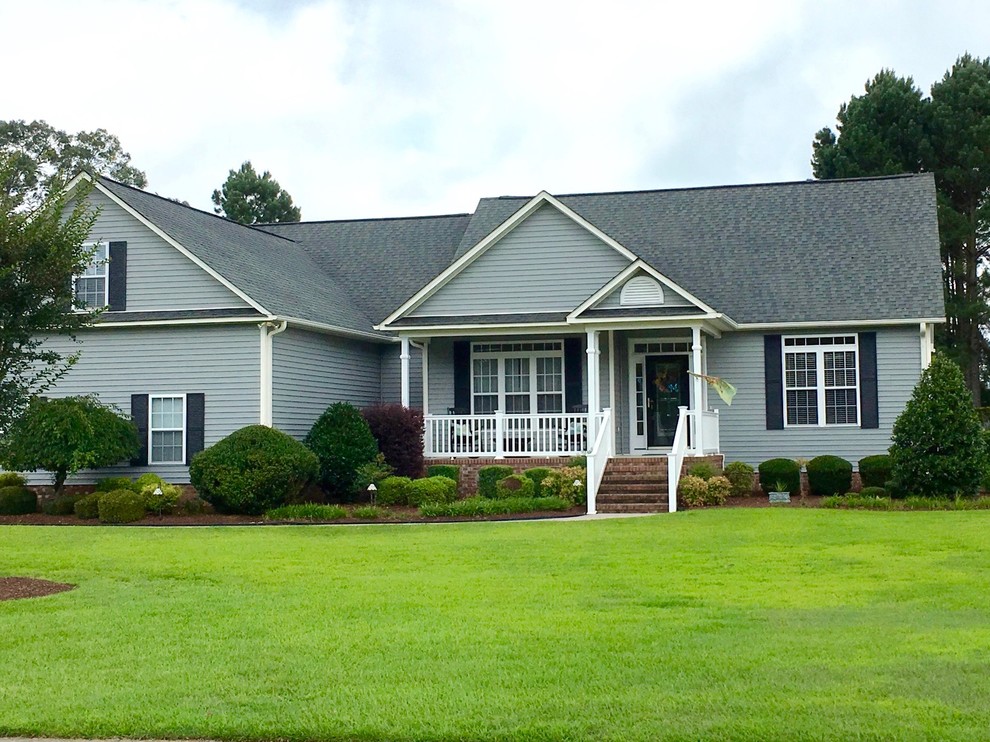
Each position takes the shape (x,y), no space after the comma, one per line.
(252,470)
(784,471)
(560,483)
(873,492)
(160,498)
(578,461)
(719,488)
(692,490)
(740,476)
(829,475)
(704,469)
(393,491)
(148,478)
(371,473)
(368,512)
(63,436)
(61,505)
(515,485)
(191,504)
(445,470)
(938,443)
(432,489)
(309,511)
(120,506)
(399,432)
(342,441)
(857,501)
(12,479)
(538,474)
(109,484)
(88,506)
(874,471)
(480,506)
(17,500)
(488,476)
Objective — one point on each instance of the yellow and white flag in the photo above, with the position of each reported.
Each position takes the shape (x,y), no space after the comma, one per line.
(725,390)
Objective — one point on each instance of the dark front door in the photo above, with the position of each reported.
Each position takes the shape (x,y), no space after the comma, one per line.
(666,390)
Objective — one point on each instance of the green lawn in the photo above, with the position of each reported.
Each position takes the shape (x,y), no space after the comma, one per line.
(730,624)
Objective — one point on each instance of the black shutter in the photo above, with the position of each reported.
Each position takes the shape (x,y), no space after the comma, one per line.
(573,373)
(773,378)
(195,424)
(869,408)
(462,377)
(117,277)
(139,414)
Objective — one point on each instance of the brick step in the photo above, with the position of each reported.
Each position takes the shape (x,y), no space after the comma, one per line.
(627,498)
(650,488)
(634,478)
(634,507)
(637,465)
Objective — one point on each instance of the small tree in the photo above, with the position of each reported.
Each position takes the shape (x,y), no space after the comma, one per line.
(63,436)
(399,432)
(249,198)
(938,444)
(343,442)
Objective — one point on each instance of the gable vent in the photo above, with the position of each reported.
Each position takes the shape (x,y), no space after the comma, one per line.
(641,291)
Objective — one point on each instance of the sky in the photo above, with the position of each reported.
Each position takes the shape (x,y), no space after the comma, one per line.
(398,108)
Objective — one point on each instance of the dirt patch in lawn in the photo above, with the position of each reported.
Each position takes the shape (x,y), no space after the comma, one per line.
(13,588)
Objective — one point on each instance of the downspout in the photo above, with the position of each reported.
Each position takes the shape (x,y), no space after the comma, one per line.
(268,331)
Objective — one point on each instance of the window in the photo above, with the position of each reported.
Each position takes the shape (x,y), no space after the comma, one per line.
(167,430)
(518,378)
(92,286)
(820,380)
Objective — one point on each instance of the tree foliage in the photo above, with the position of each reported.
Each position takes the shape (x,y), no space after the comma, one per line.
(63,436)
(40,251)
(42,158)
(343,442)
(894,128)
(249,198)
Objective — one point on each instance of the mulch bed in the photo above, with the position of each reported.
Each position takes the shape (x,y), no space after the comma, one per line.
(13,588)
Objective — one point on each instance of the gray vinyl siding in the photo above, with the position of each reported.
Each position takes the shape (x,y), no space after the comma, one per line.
(670,298)
(159,277)
(392,375)
(222,362)
(547,263)
(441,375)
(311,371)
(738,358)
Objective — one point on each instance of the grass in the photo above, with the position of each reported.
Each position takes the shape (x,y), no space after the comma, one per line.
(728,624)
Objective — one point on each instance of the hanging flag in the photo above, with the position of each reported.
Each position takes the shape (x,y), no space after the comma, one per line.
(725,390)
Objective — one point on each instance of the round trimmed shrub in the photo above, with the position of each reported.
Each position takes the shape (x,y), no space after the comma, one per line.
(148,478)
(445,470)
(829,475)
(431,489)
(740,476)
(514,485)
(87,507)
(538,474)
(109,484)
(61,505)
(693,490)
(12,479)
(17,499)
(393,491)
(252,470)
(785,471)
(560,483)
(704,469)
(874,471)
(120,506)
(342,442)
(719,488)
(160,498)
(488,477)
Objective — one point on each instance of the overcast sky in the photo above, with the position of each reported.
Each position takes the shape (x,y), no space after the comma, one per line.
(395,108)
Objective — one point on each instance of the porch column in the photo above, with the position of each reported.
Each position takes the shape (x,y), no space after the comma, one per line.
(593,404)
(697,390)
(404,362)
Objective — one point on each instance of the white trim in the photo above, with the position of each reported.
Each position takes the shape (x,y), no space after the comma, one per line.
(927,333)
(820,388)
(306,324)
(404,354)
(577,325)
(837,323)
(169,322)
(268,331)
(631,381)
(152,430)
(493,237)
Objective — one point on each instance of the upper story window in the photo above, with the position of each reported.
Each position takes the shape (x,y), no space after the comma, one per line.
(821,380)
(517,378)
(92,287)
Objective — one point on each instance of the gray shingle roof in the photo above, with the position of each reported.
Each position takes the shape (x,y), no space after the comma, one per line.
(529,318)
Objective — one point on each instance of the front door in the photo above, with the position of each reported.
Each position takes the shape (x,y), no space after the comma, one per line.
(667,388)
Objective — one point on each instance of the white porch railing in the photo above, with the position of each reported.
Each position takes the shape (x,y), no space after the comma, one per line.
(601,451)
(506,435)
(703,440)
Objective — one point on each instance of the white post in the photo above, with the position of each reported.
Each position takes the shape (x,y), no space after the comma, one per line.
(593,405)
(499,440)
(404,360)
(697,391)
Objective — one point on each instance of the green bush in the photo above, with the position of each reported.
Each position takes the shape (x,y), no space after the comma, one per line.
(87,507)
(309,511)
(560,483)
(148,478)
(829,475)
(160,498)
(12,479)
(109,484)
(488,476)
(342,441)
(432,489)
(120,506)
(874,471)
(719,488)
(367,512)
(704,469)
(393,491)
(857,501)
(253,470)
(61,505)
(371,473)
(578,461)
(515,485)
(740,476)
(17,500)
(445,470)
(938,446)
(538,474)
(692,490)
(873,492)
(784,471)
(482,506)
(192,504)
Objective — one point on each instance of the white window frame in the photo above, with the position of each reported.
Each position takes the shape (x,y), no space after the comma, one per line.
(501,356)
(104,264)
(152,430)
(820,351)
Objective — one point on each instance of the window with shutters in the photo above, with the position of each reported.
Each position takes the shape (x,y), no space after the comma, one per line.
(91,289)
(517,378)
(821,380)
(167,429)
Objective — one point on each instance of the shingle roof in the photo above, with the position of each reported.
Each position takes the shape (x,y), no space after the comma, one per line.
(808,251)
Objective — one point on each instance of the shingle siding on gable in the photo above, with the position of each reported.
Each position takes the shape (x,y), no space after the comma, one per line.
(159,277)
(547,263)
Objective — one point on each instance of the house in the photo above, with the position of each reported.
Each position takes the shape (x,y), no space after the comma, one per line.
(540,327)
